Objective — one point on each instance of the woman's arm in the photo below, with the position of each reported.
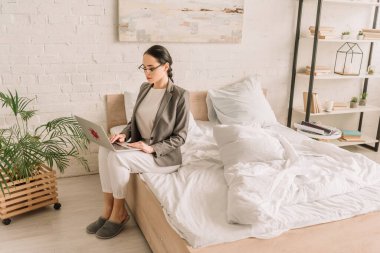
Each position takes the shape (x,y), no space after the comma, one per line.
(179,134)
(122,136)
(127,130)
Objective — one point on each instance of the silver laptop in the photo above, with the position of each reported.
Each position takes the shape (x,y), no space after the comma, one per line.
(96,133)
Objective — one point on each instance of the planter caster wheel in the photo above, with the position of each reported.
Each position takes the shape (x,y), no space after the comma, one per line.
(57,206)
(7,221)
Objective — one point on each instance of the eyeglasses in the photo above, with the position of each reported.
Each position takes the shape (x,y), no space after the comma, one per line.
(142,67)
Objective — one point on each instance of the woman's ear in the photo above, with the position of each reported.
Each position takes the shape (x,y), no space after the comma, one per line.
(166,67)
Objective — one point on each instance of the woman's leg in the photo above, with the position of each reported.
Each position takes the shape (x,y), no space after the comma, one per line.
(108,202)
(120,165)
(119,213)
(119,178)
(105,182)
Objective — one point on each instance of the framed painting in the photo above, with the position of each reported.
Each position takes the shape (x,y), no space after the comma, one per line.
(218,21)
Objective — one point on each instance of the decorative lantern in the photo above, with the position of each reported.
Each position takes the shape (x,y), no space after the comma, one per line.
(348,59)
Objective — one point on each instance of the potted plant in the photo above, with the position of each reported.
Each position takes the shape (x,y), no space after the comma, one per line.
(363,99)
(360,35)
(345,35)
(354,102)
(27,155)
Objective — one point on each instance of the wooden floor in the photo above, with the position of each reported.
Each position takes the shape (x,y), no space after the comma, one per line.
(48,230)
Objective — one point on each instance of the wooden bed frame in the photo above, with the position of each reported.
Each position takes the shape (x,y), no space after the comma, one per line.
(358,234)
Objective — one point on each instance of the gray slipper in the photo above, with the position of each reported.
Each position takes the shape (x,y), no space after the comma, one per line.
(96,225)
(111,229)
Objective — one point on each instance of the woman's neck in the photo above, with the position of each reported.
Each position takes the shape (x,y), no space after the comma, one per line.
(162,83)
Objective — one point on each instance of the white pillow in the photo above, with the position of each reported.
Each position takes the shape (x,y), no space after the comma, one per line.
(238,143)
(211,114)
(242,103)
(193,128)
(129,103)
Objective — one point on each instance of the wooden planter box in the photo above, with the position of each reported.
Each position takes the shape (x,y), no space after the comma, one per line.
(29,194)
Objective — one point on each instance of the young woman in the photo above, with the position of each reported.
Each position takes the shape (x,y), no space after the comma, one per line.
(158,127)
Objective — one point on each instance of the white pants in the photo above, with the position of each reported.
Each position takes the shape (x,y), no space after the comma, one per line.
(115,167)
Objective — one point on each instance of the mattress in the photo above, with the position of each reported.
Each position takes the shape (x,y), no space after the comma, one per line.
(194,198)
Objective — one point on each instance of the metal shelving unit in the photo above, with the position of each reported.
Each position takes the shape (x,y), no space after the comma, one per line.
(312,77)
(336,76)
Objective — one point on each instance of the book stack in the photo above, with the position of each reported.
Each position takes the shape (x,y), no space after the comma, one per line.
(371,34)
(314,128)
(314,103)
(319,70)
(351,135)
(325,32)
(340,106)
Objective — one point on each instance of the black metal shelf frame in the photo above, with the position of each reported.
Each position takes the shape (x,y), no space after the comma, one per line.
(313,63)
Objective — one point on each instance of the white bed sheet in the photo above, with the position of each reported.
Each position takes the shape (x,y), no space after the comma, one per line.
(194,199)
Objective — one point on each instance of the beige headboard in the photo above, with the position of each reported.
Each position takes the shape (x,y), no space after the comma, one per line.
(116,110)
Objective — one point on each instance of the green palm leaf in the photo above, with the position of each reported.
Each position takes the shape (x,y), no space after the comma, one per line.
(14,102)
(26,115)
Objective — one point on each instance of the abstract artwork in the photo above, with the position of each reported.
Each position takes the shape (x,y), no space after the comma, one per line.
(217,21)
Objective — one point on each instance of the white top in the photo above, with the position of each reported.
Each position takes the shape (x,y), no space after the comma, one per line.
(147,110)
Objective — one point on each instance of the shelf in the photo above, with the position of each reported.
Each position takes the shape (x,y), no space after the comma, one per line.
(334,38)
(369,3)
(339,40)
(368,108)
(336,76)
(334,139)
(366,140)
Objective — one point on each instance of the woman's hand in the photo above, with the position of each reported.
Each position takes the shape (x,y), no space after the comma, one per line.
(142,146)
(118,137)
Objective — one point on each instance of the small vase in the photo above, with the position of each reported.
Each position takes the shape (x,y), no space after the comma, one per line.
(362,102)
(360,37)
(345,37)
(353,104)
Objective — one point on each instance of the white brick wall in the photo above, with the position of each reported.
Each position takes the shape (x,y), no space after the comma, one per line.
(66,53)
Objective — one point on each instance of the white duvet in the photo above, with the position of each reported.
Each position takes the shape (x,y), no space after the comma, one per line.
(285,175)
(305,183)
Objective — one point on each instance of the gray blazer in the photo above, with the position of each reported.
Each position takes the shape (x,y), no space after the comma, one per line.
(170,125)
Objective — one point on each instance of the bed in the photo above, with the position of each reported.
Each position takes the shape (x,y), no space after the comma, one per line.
(357,234)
